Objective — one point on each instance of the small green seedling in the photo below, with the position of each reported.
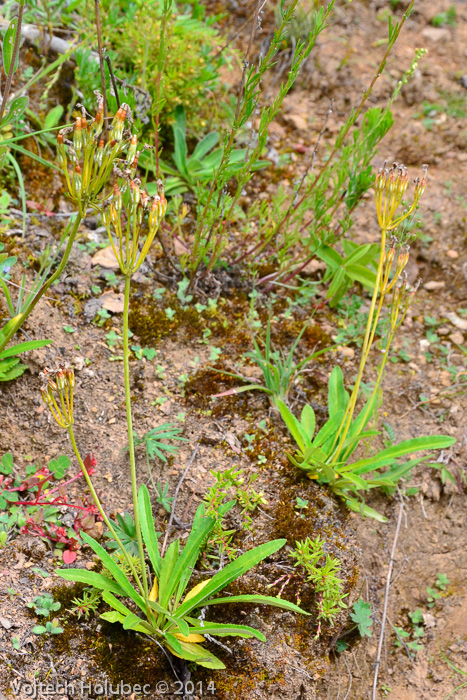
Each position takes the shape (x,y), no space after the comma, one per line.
(361,615)
(44,605)
(441,584)
(49,628)
(162,498)
(301,505)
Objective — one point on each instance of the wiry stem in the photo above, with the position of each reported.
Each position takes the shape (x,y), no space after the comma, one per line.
(131,443)
(42,290)
(6,92)
(96,500)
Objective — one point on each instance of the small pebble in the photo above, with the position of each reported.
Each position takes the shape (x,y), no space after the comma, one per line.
(457,337)
(453,254)
(347,352)
(433,285)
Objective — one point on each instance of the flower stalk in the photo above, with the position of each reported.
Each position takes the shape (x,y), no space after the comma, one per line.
(390,187)
(57,393)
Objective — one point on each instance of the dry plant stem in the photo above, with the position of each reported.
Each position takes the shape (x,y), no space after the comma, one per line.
(96,500)
(172,511)
(386,597)
(101,61)
(112,78)
(9,77)
(344,134)
(46,284)
(131,444)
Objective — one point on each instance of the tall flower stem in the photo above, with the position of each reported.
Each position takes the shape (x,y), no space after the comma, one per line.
(42,290)
(131,443)
(342,433)
(96,500)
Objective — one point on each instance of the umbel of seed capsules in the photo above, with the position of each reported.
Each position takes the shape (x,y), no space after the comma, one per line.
(57,392)
(92,159)
(125,224)
(390,187)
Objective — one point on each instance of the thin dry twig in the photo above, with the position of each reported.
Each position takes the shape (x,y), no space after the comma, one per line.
(174,502)
(350,677)
(112,77)
(386,598)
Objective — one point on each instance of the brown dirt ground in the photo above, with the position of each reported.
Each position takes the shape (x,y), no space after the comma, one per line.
(433,535)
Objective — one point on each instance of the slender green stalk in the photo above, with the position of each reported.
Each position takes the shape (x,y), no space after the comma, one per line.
(42,290)
(131,444)
(9,77)
(96,500)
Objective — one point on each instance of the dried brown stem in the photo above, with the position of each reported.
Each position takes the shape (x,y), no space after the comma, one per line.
(101,61)
(386,598)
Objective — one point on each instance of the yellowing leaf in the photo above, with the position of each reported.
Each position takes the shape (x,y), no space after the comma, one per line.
(192,638)
(199,587)
(154,594)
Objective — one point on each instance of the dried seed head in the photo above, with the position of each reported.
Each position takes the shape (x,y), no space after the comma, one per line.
(132,150)
(135,193)
(77,135)
(46,396)
(117,197)
(70,377)
(61,379)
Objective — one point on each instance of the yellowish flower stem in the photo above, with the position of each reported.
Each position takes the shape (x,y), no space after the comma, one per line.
(96,500)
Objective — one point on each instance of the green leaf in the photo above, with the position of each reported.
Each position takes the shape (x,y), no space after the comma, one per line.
(293,424)
(114,616)
(259,600)
(361,274)
(359,252)
(308,421)
(362,616)
(24,347)
(15,110)
(364,510)
(6,466)
(167,566)
(179,623)
(389,455)
(194,652)
(179,130)
(226,630)
(114,569)
(148,530)
(328,429)
(53,117)
(330,256)
(338,280)
(183,569)
(13,373)
(205,145)
(8,327)
(91,579)
(338,398)
(8,46)
(229,573)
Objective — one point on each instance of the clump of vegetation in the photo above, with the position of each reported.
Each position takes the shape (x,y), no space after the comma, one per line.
(174,61)
(313,565)
(166,61)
